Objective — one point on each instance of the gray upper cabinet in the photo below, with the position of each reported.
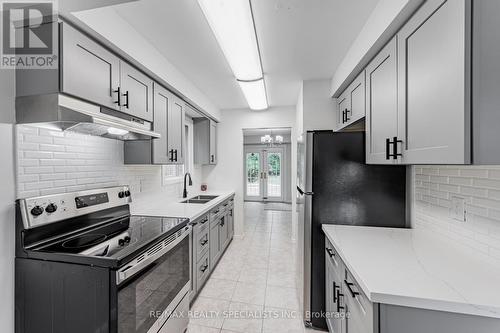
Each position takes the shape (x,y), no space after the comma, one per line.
(175,136)
(88,70)
(205,141)
(351,103)
(162,100)
(342,107)
(169,114)
(382,106)
(433,84)
(136,92)
(91,72)
(213,142)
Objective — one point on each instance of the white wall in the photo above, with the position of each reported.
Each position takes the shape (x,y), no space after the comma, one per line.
(116,30)
(382,24)
(299,110)
(318,106)
(51,162)
(228,173)
(434,186)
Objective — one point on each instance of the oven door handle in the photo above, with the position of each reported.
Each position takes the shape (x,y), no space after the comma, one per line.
(134,267)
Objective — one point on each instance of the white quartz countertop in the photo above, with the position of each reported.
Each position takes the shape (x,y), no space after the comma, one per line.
(416,268)
(160,205)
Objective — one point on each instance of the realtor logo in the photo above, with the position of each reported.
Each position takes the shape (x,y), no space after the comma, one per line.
(29,35)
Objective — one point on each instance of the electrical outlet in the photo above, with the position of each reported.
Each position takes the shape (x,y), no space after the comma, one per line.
(458,211)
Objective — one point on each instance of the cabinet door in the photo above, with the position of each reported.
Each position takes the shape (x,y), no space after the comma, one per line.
(213,142)
(356,95)
(381,104)
(214,243)
(176,130)
(137,92)
(224,232)
(230,222)
(343,107)
(434,108)
(89,71)
(162,99)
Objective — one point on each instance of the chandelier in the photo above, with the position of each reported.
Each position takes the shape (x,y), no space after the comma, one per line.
(269,140)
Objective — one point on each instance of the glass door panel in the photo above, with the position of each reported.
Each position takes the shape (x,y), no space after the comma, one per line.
(253,174)
(274,172)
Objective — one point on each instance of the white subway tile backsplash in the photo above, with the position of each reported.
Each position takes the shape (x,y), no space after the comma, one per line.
(51,162)
(434,188)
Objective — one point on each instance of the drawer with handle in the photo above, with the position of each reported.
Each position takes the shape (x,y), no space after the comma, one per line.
(216,212)
(202,271)
(363,315)
(202,241)
(332,255)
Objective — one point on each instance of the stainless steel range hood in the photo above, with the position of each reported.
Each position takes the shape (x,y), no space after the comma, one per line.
(62,112)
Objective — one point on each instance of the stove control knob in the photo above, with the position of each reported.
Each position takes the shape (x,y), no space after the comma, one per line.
(51,208)
(127,239)
(127,193)
(121,242)
(121,194)
(37,210)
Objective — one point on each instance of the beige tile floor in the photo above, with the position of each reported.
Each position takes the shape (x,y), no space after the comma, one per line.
(256,275)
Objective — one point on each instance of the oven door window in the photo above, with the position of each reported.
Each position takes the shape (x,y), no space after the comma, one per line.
(142,300)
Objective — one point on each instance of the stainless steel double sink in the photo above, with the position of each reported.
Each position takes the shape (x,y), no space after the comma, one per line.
(200,199)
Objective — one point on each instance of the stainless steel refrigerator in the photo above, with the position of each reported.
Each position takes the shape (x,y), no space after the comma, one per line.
(335,186)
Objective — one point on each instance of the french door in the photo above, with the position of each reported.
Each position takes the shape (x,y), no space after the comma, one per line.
(263,174)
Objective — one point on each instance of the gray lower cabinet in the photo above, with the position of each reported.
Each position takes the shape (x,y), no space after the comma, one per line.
(350,311)
(334,293)
(89,71)
(230,218)
(200,254)
(215,240)
(212,234)
(205,141)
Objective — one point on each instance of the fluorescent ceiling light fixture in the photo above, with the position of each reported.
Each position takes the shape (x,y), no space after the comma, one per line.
(232,23)
(255,94)
(117,131)
(233,26)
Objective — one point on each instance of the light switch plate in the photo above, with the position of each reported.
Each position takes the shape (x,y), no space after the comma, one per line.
(458,210)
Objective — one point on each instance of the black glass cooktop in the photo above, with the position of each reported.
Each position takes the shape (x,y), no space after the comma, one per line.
(117,239)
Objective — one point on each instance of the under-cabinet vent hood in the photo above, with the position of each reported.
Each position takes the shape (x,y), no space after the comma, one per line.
(61,112)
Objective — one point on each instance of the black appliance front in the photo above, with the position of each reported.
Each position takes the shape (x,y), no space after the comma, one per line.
(347,191)
(143,299)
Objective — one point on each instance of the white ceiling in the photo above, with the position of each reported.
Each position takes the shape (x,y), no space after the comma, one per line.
(298,39)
